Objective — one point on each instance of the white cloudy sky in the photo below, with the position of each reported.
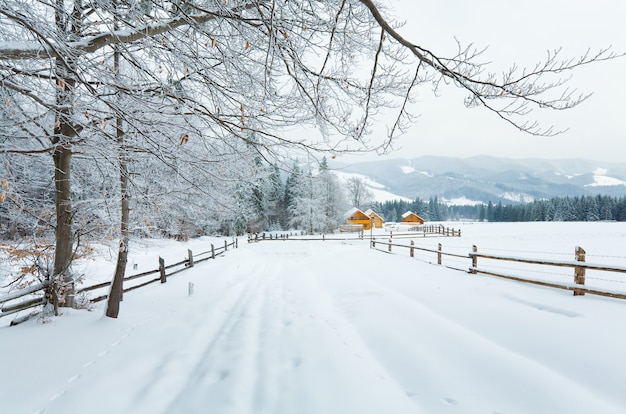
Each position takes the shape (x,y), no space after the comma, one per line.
(521,32)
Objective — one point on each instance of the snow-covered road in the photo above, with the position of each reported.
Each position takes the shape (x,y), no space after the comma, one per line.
(334,327)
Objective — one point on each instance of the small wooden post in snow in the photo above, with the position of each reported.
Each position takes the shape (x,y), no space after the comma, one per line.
(439,254)
(390,245)
(474,259)
(190,258)
(212,251)
(412,249)
(579,272)
(162,269)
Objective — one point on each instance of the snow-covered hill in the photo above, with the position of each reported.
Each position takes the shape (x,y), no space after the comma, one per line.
(483,179)
(333,328)
(378,190)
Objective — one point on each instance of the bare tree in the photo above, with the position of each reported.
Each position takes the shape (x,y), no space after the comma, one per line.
(358,192)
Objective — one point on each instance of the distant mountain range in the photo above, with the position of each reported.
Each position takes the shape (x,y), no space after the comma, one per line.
(483,179)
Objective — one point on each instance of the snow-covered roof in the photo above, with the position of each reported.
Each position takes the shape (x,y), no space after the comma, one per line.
(370,213)
(351,212)
(407,214)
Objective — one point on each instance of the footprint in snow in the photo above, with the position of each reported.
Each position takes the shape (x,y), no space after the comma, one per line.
(58,395)
(451,401)
(74,378)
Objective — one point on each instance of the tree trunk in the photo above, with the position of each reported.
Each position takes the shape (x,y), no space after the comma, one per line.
(117,287)
(61,289)
(61,286)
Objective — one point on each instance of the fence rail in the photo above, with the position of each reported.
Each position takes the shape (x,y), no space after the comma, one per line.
(7,307)
(579,265)
(413,232)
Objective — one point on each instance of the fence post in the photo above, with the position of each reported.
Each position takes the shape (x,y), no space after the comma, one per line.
(212,251)
(162,269)
(474,260)
(373,243)
(236,243)
(390,245)
(226,245)
(412,249)
(579,272)
(439,254)
(190,258)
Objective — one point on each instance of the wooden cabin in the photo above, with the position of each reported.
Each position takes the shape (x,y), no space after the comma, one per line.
(357,217)
(377,221)
(412,218)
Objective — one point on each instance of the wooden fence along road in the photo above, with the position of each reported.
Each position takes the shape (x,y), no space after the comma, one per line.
(9,307)
(413,232)
(578,277)
(471,259)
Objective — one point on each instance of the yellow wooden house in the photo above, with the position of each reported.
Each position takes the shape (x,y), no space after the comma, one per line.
(412,218)
(377,220)
(357,217)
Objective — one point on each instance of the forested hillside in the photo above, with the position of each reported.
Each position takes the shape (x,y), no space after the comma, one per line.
(577,208)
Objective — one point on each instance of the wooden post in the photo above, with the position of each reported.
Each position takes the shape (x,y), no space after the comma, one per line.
(579,272)
(373,243)
(439,254)
(225,245)
(190,258)
(412,248)
(212,251)
(390,245)
(236,243)
(474,259)
(162,269)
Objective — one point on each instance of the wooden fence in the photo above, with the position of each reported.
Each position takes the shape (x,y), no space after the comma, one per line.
(8,307)
(579,266)
(413,232)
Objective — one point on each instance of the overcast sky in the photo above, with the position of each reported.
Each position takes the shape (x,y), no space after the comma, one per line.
(521,32)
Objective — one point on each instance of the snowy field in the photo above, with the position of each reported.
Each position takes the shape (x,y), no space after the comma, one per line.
(331,327)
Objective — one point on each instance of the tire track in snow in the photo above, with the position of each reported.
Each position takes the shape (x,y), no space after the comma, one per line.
(213,379)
